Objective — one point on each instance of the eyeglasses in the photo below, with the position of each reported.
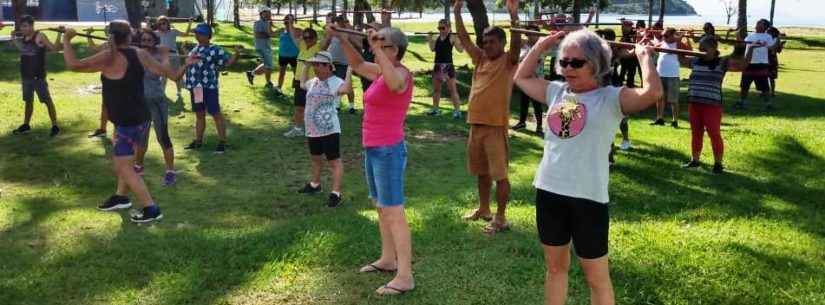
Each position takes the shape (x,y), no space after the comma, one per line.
(574,63)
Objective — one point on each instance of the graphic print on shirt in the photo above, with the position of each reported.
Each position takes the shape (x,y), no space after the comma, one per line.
(323,113)
(567,119)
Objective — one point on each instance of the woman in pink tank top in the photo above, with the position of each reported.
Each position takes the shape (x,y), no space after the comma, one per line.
(385,153)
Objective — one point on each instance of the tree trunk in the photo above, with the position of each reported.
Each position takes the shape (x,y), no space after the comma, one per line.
(537,9)
(773,6)
(269,3)
(210,12)
(18,8)
(236,13)
(278,9)
(649,12)
(134,11)
(304,4)
(345,7)
(446,9)
(315,5)
(480,22)
(742,21)
(577,11)
(662,11)
(334,6)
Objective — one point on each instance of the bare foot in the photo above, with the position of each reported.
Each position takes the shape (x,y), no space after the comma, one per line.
(478,214)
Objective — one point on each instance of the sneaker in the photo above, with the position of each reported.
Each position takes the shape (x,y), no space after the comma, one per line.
(170,178)
(692,164)
(351,110)
(269,85)
(278,91)
(518,126)
(148,214)
(25,128)
(115,202)
(334,200)
(98,133)
(434,112)
(193,145)
(308,189)
(456,114)
(718,168)
(250,77)
(55,131)
(138,169)
(220,148)
(674,124)
(294,132)
(658,122)
(625,145)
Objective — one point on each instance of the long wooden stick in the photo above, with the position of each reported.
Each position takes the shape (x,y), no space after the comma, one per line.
(78,34)
(551,23)
(434,33)
(374,12)
(348,31)
(621,44)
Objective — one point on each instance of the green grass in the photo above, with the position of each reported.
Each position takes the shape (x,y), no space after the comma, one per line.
(237,233)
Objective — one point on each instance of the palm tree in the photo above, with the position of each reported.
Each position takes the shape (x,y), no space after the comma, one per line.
(662,11)
(236,13)
(479,13)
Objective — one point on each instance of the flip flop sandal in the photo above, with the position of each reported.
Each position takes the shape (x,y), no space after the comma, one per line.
(369,268)
(475,216)
(493,228)
(389,290)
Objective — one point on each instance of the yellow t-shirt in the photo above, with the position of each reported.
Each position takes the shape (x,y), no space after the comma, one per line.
(305,53)
(490,92)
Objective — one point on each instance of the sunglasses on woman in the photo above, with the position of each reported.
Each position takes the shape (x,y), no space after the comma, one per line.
(574,63)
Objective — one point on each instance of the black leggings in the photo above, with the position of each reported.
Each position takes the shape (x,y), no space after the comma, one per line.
(628,71)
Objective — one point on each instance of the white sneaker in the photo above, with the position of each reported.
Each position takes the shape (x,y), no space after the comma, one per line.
(625,145)
(294,132)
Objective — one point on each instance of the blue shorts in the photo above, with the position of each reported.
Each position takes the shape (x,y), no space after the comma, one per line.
(384,167)
(266,56)
(210,103)
(129,137)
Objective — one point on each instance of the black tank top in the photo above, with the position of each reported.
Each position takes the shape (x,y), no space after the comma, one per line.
(124,97)
(443,50)
(32,59)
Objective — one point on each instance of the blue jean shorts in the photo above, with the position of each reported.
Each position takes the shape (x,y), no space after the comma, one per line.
(129,137)
(211,102)
(384,167)
(266,56)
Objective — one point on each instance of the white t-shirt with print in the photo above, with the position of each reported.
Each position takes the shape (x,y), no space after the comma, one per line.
(760,54)
(578,133)
(320,113)
(668,64)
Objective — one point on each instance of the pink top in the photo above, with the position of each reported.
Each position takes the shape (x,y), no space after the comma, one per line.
(384,113)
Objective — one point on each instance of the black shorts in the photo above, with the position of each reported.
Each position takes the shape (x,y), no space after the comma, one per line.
(328,145)
(284,61)
(37,85)
(756,73)
(340,71)
(300,94)
(561,218)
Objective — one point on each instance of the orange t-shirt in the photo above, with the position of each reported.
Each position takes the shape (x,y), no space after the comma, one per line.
(490,92)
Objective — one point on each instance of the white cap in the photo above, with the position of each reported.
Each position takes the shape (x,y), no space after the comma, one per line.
(321,57)
(263,8)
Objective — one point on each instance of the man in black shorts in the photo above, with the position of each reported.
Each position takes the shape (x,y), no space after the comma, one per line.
(33,46)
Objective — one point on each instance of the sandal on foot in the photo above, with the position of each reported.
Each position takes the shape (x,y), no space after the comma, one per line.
(496,227)
(390,290)
(476,216)
(369,268)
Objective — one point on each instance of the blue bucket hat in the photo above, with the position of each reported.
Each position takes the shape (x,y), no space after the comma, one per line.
(203,29)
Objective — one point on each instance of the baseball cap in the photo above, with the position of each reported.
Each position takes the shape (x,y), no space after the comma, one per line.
(322,57)
(203,29)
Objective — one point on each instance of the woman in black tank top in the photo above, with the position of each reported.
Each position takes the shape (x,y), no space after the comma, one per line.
(443,69)
(126,108)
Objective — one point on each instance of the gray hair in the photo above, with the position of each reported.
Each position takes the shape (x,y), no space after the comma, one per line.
(397,38)
(595,49)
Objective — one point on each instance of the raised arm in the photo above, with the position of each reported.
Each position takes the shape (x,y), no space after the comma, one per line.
(366,69)
(431,41)
(515,39)
(94,63)
(526,77)
(234,58)
(52,47)
(473,50)
(394,77)
(456,43)
(346,87)
(633,100)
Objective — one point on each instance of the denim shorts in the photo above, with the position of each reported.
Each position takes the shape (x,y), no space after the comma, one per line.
(266,56)
(384,167)
(127,138)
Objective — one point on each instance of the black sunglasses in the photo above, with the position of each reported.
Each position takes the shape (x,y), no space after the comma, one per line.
(573,63)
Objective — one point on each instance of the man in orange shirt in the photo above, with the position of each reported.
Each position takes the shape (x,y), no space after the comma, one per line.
(489,113)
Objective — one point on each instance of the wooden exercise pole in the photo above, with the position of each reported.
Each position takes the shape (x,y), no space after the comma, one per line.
(621,44)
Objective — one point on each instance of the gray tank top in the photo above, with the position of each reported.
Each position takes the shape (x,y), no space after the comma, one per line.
(169,40)
(154,86)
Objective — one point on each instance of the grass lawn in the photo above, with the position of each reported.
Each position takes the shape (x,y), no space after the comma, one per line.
(236,231)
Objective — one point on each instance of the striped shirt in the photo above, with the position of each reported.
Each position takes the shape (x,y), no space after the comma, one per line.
(706,81)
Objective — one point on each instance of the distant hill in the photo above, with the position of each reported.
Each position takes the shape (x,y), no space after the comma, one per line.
(639,7)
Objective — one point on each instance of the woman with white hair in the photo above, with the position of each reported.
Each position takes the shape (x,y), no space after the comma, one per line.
(572,178)
(385,152)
